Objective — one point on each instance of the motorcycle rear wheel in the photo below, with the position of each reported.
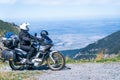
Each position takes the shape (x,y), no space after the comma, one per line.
(58,63)
(15,66)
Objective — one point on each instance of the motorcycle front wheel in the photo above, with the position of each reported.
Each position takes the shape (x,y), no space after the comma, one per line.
(57,62)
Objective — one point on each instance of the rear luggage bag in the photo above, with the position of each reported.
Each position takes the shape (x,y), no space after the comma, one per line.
(7,54)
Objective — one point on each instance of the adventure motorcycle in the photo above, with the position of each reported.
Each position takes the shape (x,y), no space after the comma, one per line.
(17,57)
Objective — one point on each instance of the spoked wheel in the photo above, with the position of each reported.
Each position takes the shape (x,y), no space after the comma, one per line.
(57,62)
(1,49)
(15,66)
(1,53)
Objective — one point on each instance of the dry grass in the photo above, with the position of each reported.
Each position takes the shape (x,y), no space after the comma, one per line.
(17,75)
(100,56)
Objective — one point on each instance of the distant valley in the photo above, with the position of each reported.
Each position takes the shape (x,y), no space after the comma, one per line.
(108,45)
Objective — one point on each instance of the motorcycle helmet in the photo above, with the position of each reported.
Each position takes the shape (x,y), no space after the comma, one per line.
(43,32)
(24,26)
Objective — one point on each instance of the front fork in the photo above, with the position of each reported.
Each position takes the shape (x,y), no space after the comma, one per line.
(51,54)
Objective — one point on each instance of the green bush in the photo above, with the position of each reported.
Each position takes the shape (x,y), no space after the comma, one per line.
(115,59)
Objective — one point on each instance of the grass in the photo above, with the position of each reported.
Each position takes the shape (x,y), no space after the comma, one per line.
(69,60)
(17,75)
(116,59)
(100,60)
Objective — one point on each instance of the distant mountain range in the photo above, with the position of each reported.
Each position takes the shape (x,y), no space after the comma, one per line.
(109,45)
(70,53)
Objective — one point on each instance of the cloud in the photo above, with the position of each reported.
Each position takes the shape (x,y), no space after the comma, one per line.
(62,2)
(51,9)
(7,1)
(71,2)
(43,2)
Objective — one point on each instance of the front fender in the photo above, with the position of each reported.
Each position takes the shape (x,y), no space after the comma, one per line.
(50,54)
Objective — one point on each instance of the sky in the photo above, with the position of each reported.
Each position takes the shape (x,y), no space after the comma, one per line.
(28,10)
(59,9)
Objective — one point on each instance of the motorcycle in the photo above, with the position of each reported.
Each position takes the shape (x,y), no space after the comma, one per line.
(17,57)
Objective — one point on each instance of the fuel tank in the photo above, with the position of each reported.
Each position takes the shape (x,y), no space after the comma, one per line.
(20,53)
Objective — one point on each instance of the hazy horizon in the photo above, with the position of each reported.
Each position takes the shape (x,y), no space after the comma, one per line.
(76,22)
(74,34)
(58,9)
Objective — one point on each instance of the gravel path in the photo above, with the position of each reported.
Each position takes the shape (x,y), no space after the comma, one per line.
(85,71)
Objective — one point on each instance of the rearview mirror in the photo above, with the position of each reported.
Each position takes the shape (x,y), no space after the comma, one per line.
(35,34)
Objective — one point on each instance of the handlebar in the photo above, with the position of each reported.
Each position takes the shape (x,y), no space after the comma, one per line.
(40,41)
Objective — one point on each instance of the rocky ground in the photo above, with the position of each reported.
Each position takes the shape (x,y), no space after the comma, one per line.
(85,71)
(81,71)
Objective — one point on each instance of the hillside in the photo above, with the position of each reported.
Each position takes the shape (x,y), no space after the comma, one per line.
(5,27)
(70,53)
(109,45)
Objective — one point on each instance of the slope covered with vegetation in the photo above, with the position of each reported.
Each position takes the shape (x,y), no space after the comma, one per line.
(6,26)
(108,45)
